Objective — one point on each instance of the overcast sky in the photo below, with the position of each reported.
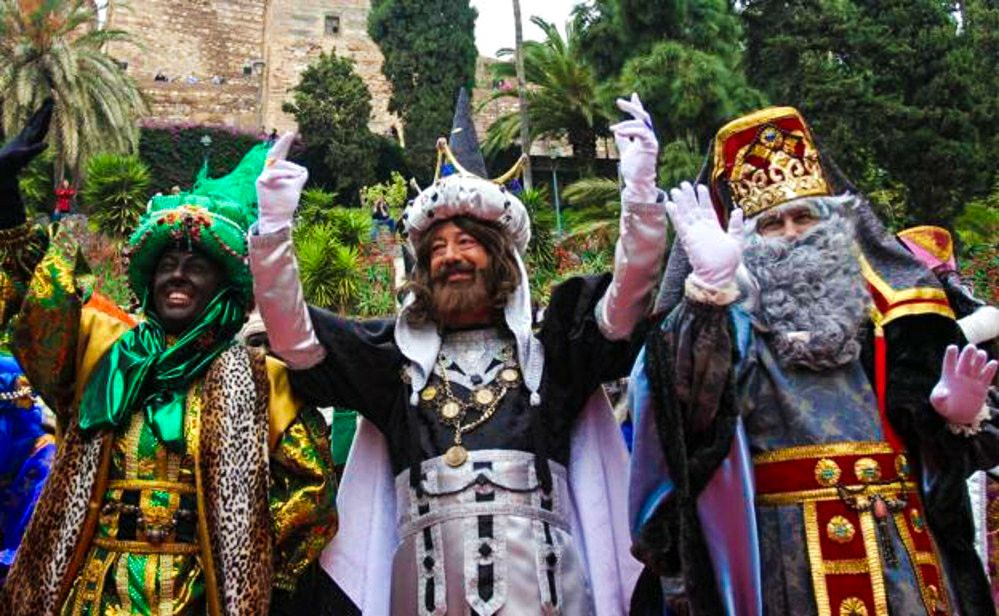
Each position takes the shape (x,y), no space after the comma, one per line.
(494,28)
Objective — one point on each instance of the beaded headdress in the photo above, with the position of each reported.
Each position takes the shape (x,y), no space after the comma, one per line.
(213,217)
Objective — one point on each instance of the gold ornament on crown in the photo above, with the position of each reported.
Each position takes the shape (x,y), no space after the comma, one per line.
(786,176)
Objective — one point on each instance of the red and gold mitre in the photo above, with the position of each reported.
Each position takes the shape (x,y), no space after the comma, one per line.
(767,158)
(933,246)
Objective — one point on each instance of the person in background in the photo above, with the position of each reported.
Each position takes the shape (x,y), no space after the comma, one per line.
(64,201)
(380,217)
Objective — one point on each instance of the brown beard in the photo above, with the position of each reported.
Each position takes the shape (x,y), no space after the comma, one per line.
(451,300)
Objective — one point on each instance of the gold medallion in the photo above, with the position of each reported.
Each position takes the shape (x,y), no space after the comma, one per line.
(429,393)
(827,472)
(867,470)
(509,375)
(455,456)
(484,396)
(840,529)
(450,410)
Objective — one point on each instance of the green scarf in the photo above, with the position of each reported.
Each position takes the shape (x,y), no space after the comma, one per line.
(142,370)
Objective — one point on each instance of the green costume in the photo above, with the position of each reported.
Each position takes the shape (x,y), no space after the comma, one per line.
(187,480)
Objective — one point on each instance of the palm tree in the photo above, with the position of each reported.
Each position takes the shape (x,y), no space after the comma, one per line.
(525,123)
(563,98)
(54,48)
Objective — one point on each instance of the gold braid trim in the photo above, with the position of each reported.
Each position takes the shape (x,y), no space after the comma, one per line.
(815,561)
(805,452)
(177,487)
(850,566)
(195,404)
(869,533)
(779,499)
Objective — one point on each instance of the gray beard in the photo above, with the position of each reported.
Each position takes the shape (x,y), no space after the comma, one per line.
(812,297)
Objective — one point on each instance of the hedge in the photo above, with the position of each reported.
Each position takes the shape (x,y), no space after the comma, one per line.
(174,154)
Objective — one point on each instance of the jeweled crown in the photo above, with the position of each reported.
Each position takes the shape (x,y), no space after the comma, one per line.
(767,158)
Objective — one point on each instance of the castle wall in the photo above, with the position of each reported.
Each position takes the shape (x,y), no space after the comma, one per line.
(296,35)
(257,47)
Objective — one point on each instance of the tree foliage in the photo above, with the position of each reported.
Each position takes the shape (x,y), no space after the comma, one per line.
(429,50)
(332,106)
(54,49)
(892,88)
(563,96)
(688,92)
(394,191)
(115,192)
(683,57)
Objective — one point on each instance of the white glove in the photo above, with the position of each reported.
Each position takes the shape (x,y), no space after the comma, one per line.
(279,187)
(964,383)
(981,325)
(639,150)
(713,253)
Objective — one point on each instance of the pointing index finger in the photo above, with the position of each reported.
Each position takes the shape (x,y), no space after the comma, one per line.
(279,151)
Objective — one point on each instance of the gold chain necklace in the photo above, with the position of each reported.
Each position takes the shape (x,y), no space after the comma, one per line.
(454,410)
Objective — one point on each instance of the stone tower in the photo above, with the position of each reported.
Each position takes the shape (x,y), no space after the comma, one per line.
(232,62)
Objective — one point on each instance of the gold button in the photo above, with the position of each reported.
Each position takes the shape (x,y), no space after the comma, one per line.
(867,470)
(827,472)
(852,606)
(840,529)
(429,393)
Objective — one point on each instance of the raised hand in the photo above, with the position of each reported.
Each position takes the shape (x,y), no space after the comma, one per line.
(639,152)
(15,156)
(28,144)
(279,187)
(964,383)
(714,254)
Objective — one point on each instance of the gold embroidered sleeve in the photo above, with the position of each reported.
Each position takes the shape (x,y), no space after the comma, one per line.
(50,314)
(21,249)
(302,496)
(45,320)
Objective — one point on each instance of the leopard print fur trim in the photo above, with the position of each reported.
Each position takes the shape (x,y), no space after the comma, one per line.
(35,585)
(235,472)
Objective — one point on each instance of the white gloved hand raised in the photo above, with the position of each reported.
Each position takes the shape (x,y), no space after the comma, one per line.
(639,150)
(964,383)
(279,187)
(714,254)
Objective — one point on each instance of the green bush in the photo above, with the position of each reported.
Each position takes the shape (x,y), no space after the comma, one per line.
(315,206)
(541,249)
(330,272)
(350,226)
(394,191)
(115,192)
(36,184)
(377,297)
(174,153)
